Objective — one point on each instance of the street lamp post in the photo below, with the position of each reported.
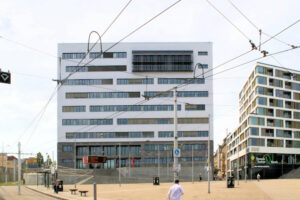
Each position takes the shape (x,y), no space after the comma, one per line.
(175,136)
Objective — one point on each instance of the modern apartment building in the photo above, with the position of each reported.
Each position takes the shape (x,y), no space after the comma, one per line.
(121,104)
(267,140)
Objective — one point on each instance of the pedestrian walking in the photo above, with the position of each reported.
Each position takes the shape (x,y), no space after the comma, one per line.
(55,185)
(200,177)
(175,191)
(258,177)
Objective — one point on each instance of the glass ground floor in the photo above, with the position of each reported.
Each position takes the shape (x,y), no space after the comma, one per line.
(133,154)
(268,165)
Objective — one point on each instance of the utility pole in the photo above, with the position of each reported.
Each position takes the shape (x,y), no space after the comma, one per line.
(6,168)
(192,163)
(19,168)
(238,163)
(175,136)
(158,161)
(208,157)
(119,164)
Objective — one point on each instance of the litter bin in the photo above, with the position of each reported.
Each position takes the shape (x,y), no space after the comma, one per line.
(60,186)
(156,180)
(230,182)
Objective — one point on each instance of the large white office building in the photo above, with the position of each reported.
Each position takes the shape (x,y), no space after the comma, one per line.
(267,140)
(122,99)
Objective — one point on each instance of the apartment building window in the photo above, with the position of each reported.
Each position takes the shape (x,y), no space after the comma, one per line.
(265,111)
(73,55)
(274,143)
(109,150)
(88,82)
(284,94)
(181,80)
(135,81)
(179,94)
(164,134)
(296,134)
(276,103)
(275,82)
(264,70)
(119,108)
(67,160)
(256,121)
(283,74)
(71,122)
(254,131)
(256,142)
(194,107)
(283,113)
(202,53)
(296,115)
(267,132)
(73,109)
(296,86)
(189,147)
(96,151)
(262,80)
(157,61)
(275,122)
(203,66)
(92,95)
(108,55)
(67,148)
(264,91)
(262,101)
(95,68)
(82,151)
(296,96)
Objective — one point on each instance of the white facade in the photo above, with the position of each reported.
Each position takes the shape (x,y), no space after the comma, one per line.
(128,74)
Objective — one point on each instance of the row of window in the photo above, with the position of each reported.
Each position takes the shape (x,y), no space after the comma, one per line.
(91,95)
(279,113)
(81,55)
(134,81)
(161,134)
(127,121)
(113,163)
(122,108)
(107,68)
(270,132)
(273,122)
(278,103)
(278,93)
(71,135)
(278,83)
(278,73)
(273,143)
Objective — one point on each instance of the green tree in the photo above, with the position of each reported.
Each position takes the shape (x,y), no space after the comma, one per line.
(39,159)
(48,161)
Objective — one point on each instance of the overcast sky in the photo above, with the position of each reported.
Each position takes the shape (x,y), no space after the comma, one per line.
(43,24)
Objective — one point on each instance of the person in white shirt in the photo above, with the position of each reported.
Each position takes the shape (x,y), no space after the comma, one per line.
(175,191)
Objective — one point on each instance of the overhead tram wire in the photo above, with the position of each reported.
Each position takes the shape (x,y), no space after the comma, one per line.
(125,37)
(256,27)
(58,86)
(228,20)
(181,85)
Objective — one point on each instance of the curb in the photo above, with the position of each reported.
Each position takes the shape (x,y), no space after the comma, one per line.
(50,195)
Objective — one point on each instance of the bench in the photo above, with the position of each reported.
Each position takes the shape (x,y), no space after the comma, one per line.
(83,192)
(73,191)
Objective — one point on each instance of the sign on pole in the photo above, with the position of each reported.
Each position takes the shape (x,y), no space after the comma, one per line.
(5,77)
(177,153)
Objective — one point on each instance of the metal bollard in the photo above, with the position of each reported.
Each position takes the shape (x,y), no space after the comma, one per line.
(95,191)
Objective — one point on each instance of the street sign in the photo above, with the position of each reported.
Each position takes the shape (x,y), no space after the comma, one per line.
(5,77)
(176,152)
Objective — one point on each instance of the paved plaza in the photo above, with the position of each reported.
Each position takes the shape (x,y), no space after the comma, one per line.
(288,189)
